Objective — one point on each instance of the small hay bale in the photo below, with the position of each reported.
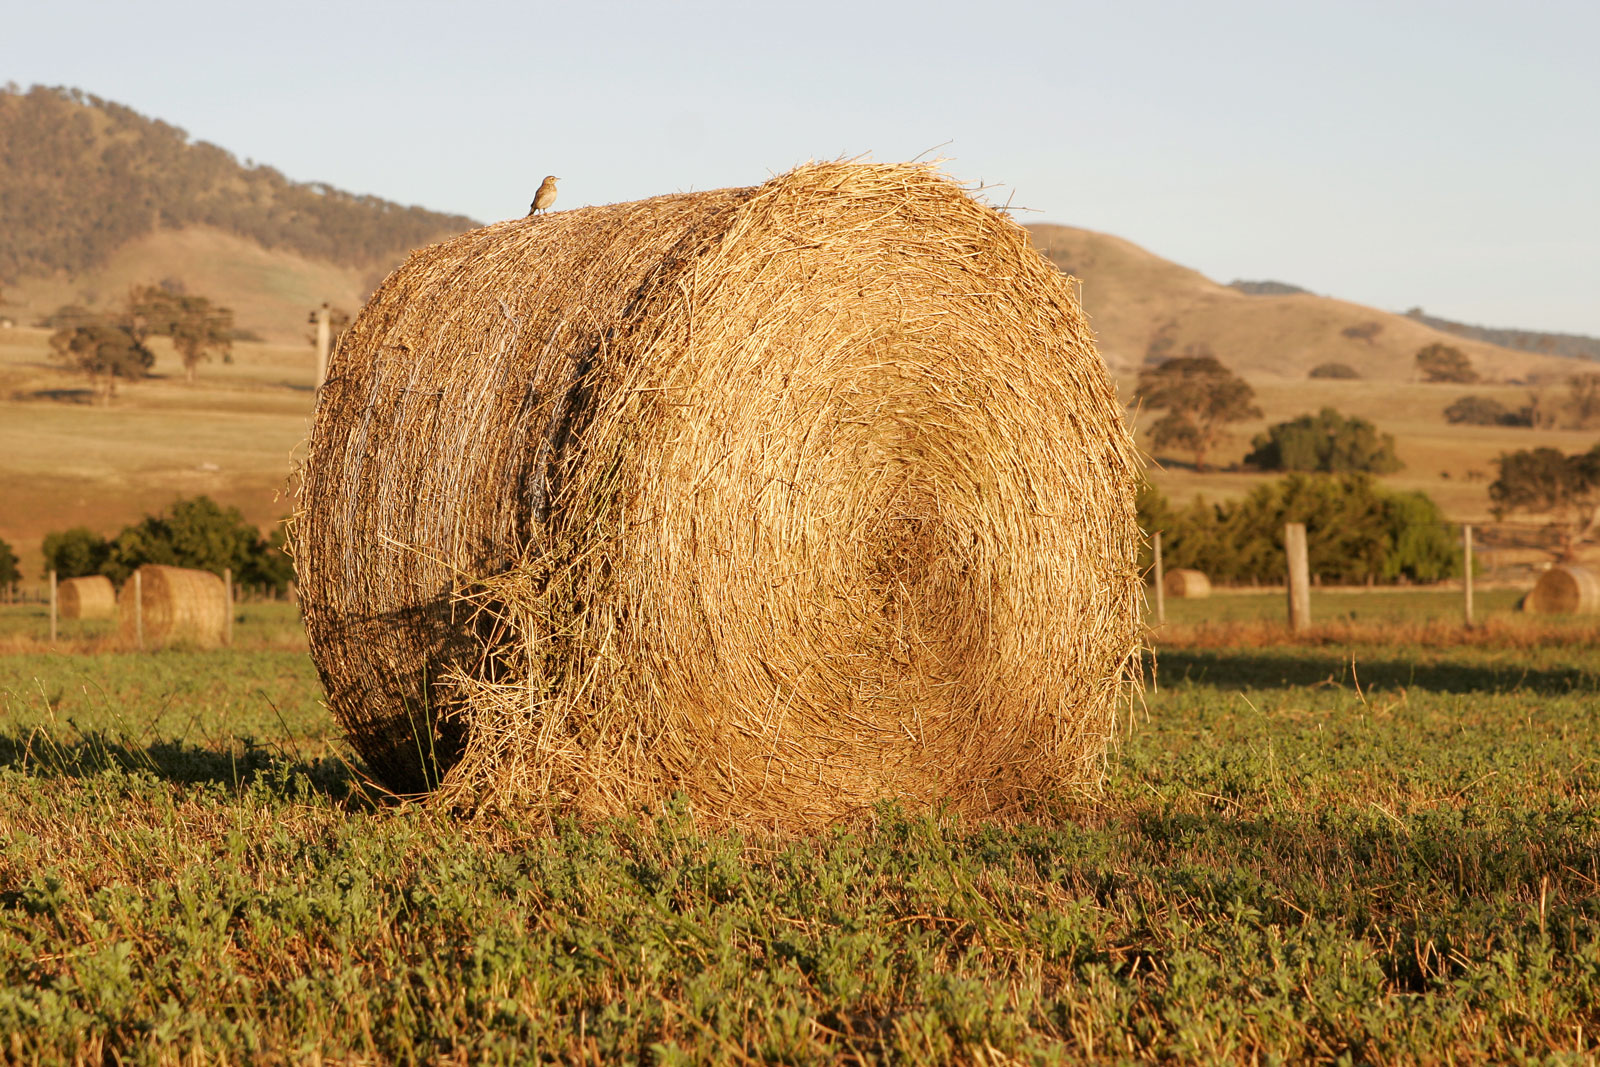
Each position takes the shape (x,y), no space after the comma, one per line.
(1189,584)
(179,606)
(790,498)
(1569,590)
(90,597)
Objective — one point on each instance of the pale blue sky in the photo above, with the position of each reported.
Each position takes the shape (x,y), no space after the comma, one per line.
(1437,154)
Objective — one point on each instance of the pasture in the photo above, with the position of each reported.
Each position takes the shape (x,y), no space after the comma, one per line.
(1349,849)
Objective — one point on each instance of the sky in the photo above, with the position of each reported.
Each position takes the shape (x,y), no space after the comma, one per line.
(1398,154)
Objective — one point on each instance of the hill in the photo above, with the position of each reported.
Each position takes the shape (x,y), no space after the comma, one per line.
(95,196)
(1145,308)
(1570,345)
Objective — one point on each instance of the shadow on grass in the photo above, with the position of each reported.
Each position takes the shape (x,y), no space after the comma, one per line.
(247,765)
(1296,667)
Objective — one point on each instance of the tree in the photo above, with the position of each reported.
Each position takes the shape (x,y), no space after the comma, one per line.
(75,553)
(1200,396)
(1327,442)
(105,351)
(1362,331)
(202,534)
(1544,481)
(1334,370)
(198,327)
(1445,363)
(1486,411)
(1583,399)
(10,570)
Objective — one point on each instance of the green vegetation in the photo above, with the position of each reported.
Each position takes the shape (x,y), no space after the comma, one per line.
(1328,442)
(1445,363)
(1361,853)
(198,327)
(81,176)
(105,350)
(10,569)
(1334,370)
(1362,331)
(1356,531)
(1544,481)
(1486,411)
(1200,397)
(196,533)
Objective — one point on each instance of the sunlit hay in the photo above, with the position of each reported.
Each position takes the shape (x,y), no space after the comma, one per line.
(791,498)
(1565,591)
(90,597)
(1186,584)
(179,606)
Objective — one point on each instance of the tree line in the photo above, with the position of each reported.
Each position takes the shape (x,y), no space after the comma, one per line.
(197,532)
(81,176)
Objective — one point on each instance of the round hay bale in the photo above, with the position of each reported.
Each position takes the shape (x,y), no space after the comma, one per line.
(1190,584)
(1569,590)
(89,597)
(789,498)
(179,606)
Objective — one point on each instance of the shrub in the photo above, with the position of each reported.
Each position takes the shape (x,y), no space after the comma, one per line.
(1328,442)
(10,569)
(1355,531)
(75,553)
(1486,411)
(1334,370)
(1445,363)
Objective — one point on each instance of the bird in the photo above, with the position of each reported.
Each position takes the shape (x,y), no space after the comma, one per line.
(545,196)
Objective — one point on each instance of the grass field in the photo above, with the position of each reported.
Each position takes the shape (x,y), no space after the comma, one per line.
(1368,852)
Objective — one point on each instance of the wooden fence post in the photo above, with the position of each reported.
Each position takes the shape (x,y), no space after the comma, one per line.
(1294,545)
(52,605)
(324,337)
(138,608)
(1161,587)
(227,586)
(1466,577)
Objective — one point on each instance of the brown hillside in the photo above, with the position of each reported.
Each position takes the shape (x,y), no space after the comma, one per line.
(1143,307)
(271,292)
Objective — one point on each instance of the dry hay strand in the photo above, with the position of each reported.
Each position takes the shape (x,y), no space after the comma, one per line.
(178,605)
(790,498)
(1187,584)
(1568,590)
(90,597)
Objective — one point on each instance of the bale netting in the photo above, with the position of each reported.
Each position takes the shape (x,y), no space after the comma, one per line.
(175,606)
(1187,584)
(90,597)
(1569,590)
(790,499)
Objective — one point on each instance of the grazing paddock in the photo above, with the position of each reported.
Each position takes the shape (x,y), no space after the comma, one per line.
(1380,851)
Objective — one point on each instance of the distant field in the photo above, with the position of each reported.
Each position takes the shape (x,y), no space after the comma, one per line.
(1377,852)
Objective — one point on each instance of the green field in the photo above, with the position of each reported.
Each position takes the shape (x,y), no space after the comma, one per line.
(1290,862)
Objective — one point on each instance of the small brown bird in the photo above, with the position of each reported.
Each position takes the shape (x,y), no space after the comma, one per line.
(545,196)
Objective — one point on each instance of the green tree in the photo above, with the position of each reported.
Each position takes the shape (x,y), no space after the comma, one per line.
(1328,442)
(198,327)
(196,533)
(106,351)
(1200,397)
(75,553)
(1445,363)
(1546,481)
(10,570)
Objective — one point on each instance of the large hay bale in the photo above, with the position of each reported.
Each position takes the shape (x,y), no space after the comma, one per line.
(1569,590)
(792,498)
(90,597)
(1186,584)
(178,606)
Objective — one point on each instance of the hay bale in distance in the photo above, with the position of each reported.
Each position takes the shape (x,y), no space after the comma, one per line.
(791,498)
(1186,583)
(179,606)
(89,597)
(1569,590)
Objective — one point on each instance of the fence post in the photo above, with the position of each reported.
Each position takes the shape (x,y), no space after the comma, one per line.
(227,586)
(1161,588)
(1294,546)
(1466,583)
(138,607)
(52,605)
(324,334)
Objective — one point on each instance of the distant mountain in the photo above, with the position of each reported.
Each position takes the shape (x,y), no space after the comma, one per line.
(1570,345)
(1267,288)
(82,177)
(1145,309)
